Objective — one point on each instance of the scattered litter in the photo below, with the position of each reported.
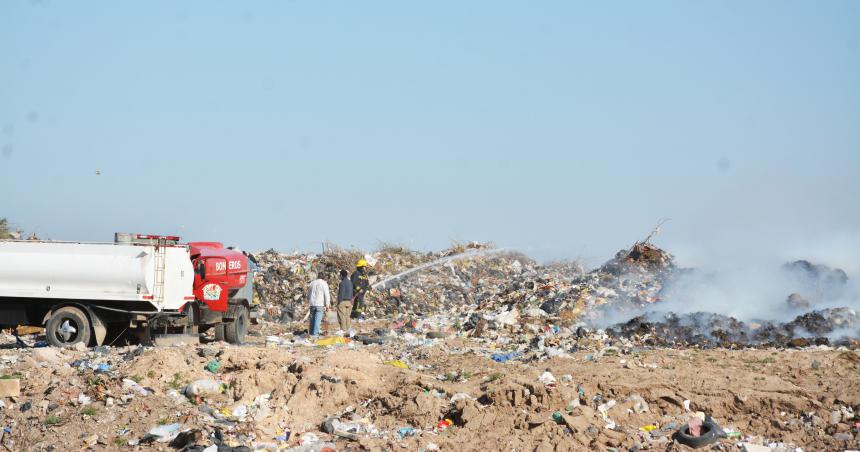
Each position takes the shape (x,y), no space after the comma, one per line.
(491,305)
(162,433)
(639,404)
(332,340)
(10,387)
(204,387)
(330,379)
(397,363)
(213,366)
(460,396)
(309,438)
(444,424)
(504,357)
(132,385)
(547,379)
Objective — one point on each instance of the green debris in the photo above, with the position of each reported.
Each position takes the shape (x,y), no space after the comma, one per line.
(213,366)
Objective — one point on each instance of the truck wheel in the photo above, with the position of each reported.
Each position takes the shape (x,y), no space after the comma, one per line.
(219,331)
(192,320)
(67,326)
(234,332)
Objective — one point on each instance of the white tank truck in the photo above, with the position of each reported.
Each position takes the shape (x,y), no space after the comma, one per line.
(141,284)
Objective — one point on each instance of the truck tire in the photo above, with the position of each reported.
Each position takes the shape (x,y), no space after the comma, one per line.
(192,320)
(219,331)
(67,327)
(234,332)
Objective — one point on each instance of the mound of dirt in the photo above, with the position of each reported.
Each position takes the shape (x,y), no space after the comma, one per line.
(429,393)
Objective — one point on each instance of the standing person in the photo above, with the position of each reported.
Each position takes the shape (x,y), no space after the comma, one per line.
(360,285)
(344,300)
(319,299)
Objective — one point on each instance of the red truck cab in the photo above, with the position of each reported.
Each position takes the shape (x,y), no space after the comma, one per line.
(217,272)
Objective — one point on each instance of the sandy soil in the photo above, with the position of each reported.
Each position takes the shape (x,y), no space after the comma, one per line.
(770,396)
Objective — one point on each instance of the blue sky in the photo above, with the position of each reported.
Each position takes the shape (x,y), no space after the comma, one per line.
(564,129)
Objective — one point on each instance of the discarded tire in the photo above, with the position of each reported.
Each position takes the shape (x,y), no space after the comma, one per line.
(711,433)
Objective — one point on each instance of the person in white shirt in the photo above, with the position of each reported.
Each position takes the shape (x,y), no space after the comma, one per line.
(319,299)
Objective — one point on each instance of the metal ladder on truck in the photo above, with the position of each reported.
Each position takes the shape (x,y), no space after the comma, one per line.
(160,264)
(190,336)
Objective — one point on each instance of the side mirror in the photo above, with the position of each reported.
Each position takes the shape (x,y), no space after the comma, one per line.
(201,269)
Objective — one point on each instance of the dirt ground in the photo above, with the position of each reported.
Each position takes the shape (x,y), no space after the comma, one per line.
(800,398)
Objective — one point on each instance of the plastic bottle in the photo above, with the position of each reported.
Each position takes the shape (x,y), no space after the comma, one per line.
(204,387)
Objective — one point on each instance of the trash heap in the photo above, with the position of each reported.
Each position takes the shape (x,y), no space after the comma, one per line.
(475,281)
(477,287)
(470,278)
(819,318)
(833,326)
(471,345)
(283,278)
(633,278)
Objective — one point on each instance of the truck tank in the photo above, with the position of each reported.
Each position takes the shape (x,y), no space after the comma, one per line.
(97,271)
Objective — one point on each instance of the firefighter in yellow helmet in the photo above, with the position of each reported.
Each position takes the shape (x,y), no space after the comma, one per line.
(360,286)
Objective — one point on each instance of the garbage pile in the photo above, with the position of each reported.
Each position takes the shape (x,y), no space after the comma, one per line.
(474,288)
(707,330)
(283,278)
(502,286)
(821,306)
(817,282)
(460,284)
(458,279)
(466,279)
(817,274)
(633,278)
(468,345)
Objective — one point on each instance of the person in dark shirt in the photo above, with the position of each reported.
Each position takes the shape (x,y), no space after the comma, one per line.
(344,301)
(360,286)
